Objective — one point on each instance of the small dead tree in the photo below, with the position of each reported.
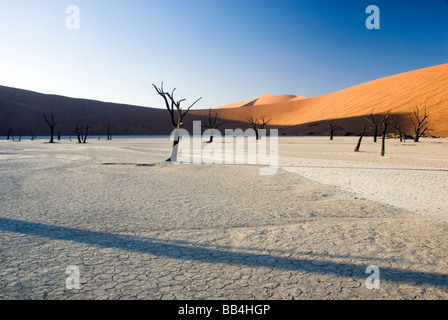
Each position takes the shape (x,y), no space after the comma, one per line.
(385,120)
(86,134)
(255,124)
(59,135)
(420,124)
(78,132)
(374,123)
(177,114)
(360,138)
(212,123)
(398,128)
(258,125)
(8,134)
(109,131)
(333,128)
(51,124)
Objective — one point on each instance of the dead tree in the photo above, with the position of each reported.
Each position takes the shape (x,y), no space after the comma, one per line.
(254,124)
(177,114)
(360,138)
(59,135)
(398,128)
(333,128)
(258,124)
(385,121)
(86,134)
(109,131)
(374,122)
(420,124)
(51,124)
(8,134)
(78,132)
(212,124)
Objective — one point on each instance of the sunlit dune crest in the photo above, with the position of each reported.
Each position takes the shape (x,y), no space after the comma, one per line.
(401,93)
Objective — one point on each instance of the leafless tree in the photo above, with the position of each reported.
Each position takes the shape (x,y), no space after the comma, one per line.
(109,131)
(59,135)
(177,114)
(258,124)
(255,124)
(385,120)
(360,138)
(398,128)
(374,122)
(78,132)
(333,128)
(51,124)
(8,134)
(420,124)
(86,134)
(212,123)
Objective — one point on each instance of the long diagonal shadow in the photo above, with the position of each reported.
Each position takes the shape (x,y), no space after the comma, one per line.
(192,252)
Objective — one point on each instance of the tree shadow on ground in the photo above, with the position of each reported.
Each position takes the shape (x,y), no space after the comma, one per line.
(194,252)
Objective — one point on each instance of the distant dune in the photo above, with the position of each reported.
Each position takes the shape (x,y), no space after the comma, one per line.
(292,115)
(401,93)
(263,100)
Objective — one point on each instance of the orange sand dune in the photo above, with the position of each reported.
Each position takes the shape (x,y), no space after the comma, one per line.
(401,93)
(263,100)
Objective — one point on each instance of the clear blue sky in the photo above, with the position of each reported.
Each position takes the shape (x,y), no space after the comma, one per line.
(222,50)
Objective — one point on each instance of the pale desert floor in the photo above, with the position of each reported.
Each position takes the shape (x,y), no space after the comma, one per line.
(170,231)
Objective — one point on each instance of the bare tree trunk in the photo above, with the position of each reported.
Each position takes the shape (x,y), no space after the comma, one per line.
(360,139)
(383,136)
(87,133)
(51,125)
(78,132)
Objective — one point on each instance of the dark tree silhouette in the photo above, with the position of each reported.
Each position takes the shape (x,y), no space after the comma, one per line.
(8,134)
(59,135)
(177,114)
(78,132)
(420,124)
(109,131)
(258,124)
(385,120)
(333,128)
(86,134)
(360,138)
(51,124)
(255,124)
(374,122)
(212,123)
(398,128)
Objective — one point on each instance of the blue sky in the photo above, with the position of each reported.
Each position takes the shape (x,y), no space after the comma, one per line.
(222,50)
